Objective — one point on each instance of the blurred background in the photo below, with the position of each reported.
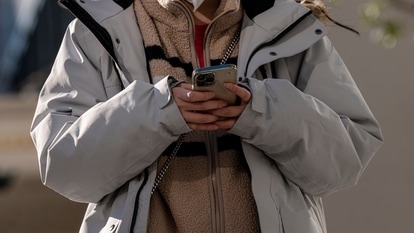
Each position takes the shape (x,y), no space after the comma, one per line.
(381,60)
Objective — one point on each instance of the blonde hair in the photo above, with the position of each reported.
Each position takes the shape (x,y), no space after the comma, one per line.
(321,12)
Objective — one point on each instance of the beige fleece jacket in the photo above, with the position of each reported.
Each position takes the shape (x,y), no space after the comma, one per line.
(207,188)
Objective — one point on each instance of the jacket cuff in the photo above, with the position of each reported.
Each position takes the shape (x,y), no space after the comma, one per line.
(163,90)
(244,125)
(165,101)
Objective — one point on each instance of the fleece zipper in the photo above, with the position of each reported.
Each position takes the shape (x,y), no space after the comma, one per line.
(187,13)
(207,38)
(216,195)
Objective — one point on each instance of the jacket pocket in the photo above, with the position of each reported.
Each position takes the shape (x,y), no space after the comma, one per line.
(297,210)
(66,120)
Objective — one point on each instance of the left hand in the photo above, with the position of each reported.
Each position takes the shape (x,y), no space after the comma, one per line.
(230,114)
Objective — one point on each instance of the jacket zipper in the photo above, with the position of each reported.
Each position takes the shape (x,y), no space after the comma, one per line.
(136,202)
(277,38)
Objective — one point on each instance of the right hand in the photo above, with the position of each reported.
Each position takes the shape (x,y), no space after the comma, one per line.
(194,107)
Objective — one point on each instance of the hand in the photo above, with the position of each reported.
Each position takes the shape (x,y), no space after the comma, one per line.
(195,107)
(228,115)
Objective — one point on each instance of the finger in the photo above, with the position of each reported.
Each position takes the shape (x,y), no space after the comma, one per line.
(241,92)
(208,105)
(194,96)
(225,124)
(205,127)
(231,111)
(205,106)
(187,95)
(186,86)
(199,118)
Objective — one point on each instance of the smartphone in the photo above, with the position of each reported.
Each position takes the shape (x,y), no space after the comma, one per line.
(212,79)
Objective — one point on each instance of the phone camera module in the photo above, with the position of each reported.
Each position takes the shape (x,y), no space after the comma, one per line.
(206,79)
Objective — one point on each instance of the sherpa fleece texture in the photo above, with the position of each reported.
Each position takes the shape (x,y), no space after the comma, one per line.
(185,200)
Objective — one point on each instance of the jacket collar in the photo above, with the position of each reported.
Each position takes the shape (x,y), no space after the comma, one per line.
(258,29)
(263,40)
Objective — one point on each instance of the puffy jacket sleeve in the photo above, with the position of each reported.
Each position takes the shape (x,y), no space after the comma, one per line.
(89,145)
(321,138)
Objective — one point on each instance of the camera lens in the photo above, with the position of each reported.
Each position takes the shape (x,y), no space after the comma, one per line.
(206,79)
(201,78)
(210,78)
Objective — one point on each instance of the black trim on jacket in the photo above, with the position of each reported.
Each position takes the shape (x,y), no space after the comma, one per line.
(124,3)
(278,37)
(256,7)
(136,201)
(100,32)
